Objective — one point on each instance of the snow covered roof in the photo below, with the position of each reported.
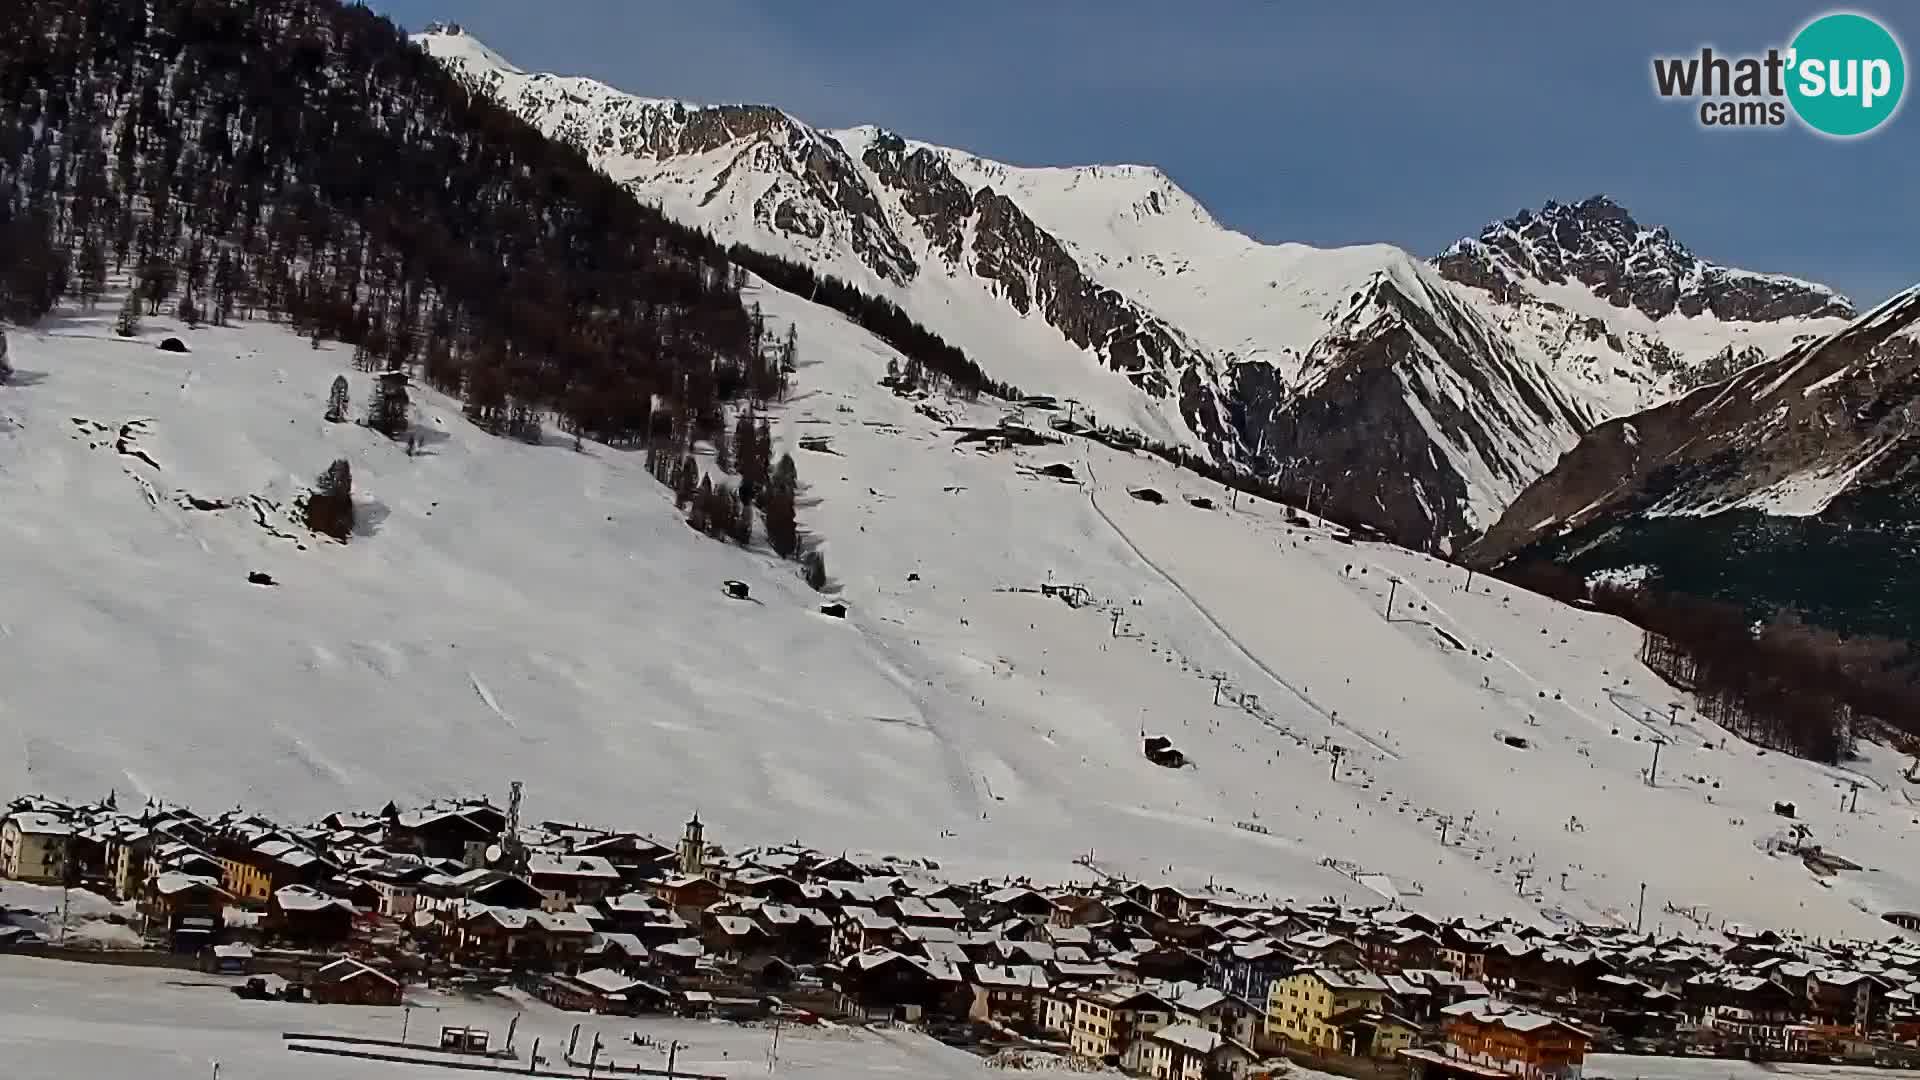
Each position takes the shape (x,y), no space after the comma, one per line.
(34,823)
(1500,1014)
(1038,952)
(737,925)
(629,944)
(1023,976)
(1348,978)
(1189,1037)
(305,898)
(870,920)
(592,867)
(925,907)
(608,980)
(172,883)
(1083,972)
(944,952)
(562,922)
(553,922)
(781,914)
(1200,1000)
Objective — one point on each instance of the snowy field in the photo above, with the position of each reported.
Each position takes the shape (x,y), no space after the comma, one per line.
(72,917)
(63,1021)
(521,612)
(59,1021)
(1633,1067)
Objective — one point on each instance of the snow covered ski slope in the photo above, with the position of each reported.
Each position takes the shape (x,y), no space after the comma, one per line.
(536,613)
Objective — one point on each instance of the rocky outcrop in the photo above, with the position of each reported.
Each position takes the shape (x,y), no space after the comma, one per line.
(1034,272)
(927,189)
(1597,243)
(1414,416)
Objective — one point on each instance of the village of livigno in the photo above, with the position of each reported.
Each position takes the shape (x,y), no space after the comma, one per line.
(863,541)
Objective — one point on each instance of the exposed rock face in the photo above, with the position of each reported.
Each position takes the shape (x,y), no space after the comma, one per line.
(1408,386)
(1741,487)
(927,189)
(1422,404)
(1597,243)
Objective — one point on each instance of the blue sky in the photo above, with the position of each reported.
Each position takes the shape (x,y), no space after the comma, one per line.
(1406,122)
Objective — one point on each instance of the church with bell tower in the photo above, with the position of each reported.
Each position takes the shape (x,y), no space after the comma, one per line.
(693,848)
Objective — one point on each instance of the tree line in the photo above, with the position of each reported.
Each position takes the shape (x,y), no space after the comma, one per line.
(1776,681)
(301,161)
(938,365)
(726,510)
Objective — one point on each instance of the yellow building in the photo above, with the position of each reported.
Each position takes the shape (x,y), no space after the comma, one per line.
(1106,1024)
(247,883)
(1300,1005)
(33,847)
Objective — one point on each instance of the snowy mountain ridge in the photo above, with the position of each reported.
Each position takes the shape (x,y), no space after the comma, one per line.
(1112,286)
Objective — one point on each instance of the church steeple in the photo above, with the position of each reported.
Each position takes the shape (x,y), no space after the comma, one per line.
(693,847)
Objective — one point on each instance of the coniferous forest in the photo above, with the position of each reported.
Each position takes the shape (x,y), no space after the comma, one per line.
(1771,677)
(299,160)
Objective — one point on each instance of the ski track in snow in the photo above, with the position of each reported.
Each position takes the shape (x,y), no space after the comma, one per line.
(1305,698)
(566,585)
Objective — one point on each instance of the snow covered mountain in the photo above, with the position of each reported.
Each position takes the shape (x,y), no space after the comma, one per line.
(1417,398)
(1792,484)
(1627,311)
(511,611)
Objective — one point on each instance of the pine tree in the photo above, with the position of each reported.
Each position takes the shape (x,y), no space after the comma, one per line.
(189,311)
(762,472)
(337,403)
(722,449)
(699,510)
(6,366)
(814,569)
(735,516)
(128,323)
(387,405)
(745,455)
(783,528)
(92,270)
(685,482)
(329,509)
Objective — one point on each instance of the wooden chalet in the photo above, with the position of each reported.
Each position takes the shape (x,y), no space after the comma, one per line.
(347,981)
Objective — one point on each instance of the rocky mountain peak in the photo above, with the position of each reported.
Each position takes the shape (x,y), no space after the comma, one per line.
(1596,242)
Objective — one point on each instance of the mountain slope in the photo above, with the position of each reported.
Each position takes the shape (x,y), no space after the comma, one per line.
(1112,286)
(537,613)
(1790,485)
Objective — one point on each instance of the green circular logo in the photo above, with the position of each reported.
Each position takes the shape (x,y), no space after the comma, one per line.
(1846,75)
